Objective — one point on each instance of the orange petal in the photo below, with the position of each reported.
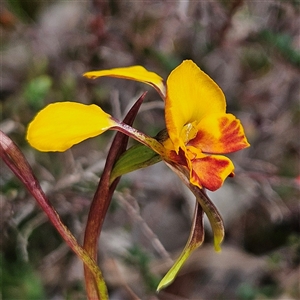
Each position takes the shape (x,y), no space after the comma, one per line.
(211,171)
(219,133)
(191,95)
(61,125)
(137,73)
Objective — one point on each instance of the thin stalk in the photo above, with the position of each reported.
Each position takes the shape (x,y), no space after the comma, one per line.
(16,161)
(103,196)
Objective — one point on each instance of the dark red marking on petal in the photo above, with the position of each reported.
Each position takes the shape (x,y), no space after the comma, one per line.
(232,135)
(206,171)
(178,158)
(217,163)
(197,139)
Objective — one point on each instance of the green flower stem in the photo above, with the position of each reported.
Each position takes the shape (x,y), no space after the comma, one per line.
(16,161)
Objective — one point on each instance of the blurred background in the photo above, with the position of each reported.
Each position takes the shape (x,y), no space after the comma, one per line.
(251,49)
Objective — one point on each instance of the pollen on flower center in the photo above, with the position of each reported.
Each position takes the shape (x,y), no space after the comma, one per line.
(188,132)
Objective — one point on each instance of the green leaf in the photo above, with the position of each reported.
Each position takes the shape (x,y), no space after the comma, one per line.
(195,240)
(136,157)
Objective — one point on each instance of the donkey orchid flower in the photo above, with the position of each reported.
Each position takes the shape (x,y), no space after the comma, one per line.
(198,129)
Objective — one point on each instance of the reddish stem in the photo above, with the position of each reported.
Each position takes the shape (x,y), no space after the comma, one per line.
(16,161)
(102,198)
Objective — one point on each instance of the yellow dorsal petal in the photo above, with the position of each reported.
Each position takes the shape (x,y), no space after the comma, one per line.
(136,73)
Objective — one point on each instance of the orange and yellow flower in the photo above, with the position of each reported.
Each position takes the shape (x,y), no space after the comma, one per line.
(198,132)
(198,128)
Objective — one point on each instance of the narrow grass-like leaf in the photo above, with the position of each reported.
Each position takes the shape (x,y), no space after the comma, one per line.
(195,240)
